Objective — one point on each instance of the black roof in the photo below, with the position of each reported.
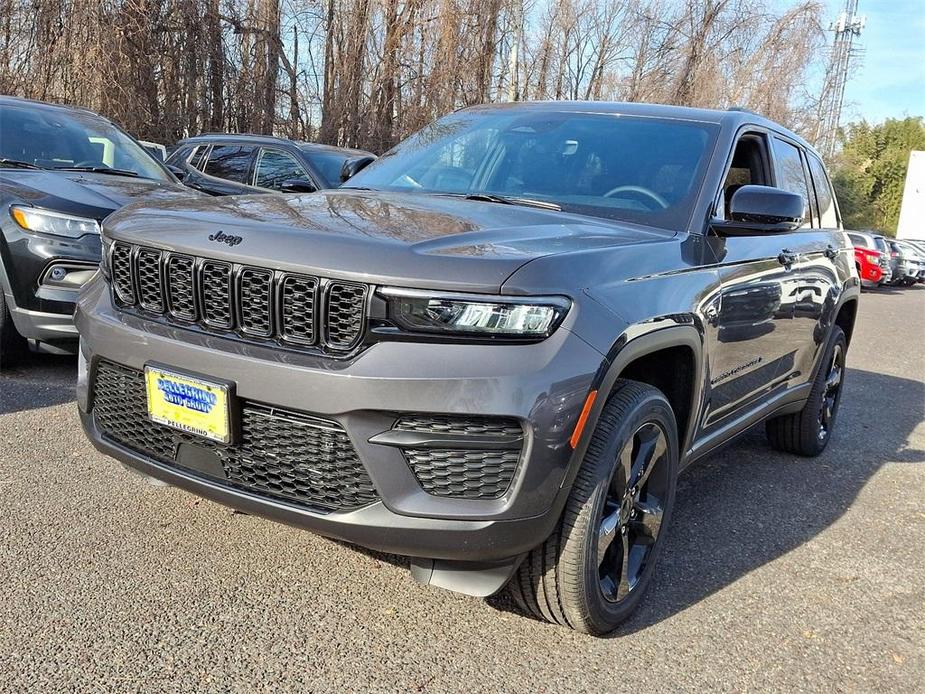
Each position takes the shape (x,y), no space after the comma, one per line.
(269,140)
(33,103)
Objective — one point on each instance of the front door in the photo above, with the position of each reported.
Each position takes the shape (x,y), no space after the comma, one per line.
(773,289)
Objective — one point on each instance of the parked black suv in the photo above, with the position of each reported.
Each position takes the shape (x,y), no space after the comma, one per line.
(62,170)
(493,350)
(221,164)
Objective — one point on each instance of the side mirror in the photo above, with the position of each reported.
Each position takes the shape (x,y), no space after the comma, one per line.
(177,171)
(355,165)
(297,185)
(757,210)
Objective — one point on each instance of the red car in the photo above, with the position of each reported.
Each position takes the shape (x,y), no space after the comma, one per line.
(870,262)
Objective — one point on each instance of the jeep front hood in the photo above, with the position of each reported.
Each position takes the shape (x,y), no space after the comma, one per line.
(403,239)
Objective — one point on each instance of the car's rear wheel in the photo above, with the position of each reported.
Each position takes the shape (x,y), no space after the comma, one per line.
(11,343)
(808,431)
(594,569)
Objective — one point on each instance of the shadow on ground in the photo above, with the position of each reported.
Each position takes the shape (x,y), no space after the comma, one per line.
(748,504)
(36,381)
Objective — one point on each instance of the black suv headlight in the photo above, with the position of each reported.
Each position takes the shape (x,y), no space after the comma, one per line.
(54,223)
(475,315)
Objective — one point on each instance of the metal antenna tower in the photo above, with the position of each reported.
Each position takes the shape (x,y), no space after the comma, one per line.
(847,27)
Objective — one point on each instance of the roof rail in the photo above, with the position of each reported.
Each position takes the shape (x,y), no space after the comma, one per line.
(742,109)
(221,134)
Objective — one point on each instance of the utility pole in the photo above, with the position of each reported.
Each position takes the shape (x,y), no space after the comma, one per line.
(847,27)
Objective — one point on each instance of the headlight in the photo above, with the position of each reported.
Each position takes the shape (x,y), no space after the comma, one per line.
(104,260)
(48,222)
(474,315)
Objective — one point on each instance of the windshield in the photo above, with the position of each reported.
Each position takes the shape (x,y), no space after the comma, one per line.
(56,138)
(644,170)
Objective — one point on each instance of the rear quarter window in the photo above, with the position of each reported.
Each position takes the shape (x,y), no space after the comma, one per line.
(828,215)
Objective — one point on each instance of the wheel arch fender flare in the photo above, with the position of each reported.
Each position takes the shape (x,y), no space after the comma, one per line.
(622,355)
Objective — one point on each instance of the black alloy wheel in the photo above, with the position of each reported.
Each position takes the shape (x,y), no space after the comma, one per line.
(831,394)
(593,571)
(808,431)
(633,511)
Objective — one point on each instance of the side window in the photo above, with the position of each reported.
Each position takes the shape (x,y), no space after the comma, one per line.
(230,162)
(827,214)
(328,164)
(179,156)
(749,167)
(198,156)
(791,174)
(275,167)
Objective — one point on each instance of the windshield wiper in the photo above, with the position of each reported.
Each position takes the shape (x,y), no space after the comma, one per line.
(16,164)
(507,200)
(99,170)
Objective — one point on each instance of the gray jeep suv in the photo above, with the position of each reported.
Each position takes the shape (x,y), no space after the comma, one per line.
(493,350)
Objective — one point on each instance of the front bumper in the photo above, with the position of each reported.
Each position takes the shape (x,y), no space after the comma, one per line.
(42,310)
(542,385)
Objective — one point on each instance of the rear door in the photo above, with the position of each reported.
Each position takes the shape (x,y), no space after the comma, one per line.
(821,256)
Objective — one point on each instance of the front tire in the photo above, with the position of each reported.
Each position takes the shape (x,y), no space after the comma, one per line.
(593,570)
(808,431)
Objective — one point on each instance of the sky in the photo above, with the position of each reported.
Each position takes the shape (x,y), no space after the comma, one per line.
(891,80)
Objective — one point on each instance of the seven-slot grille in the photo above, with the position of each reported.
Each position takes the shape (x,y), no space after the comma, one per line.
(279,454)
(257,303)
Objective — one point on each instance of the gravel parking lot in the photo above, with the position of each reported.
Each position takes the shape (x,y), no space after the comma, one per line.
(780,573)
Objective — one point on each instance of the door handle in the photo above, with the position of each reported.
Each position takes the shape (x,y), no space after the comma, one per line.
(830,252)
(787,257)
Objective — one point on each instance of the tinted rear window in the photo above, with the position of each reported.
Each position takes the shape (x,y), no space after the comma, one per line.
(230,162)
(827,214)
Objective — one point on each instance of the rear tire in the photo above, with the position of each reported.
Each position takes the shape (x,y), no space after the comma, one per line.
(12,345)
(808,431)
(619,506)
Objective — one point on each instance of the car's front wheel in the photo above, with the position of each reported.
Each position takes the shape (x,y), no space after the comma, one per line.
(594,569)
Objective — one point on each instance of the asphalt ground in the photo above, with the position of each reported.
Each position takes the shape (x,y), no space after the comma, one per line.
(780,573)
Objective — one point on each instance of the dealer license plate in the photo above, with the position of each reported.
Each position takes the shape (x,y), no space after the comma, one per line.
(189,404)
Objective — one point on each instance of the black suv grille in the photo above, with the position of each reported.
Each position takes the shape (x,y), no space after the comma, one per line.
(469,472)
(279,454)
(256,303)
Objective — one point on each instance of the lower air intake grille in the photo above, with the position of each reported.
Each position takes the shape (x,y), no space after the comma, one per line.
(467,457)
(464,474)
(280,454)
(448,424)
